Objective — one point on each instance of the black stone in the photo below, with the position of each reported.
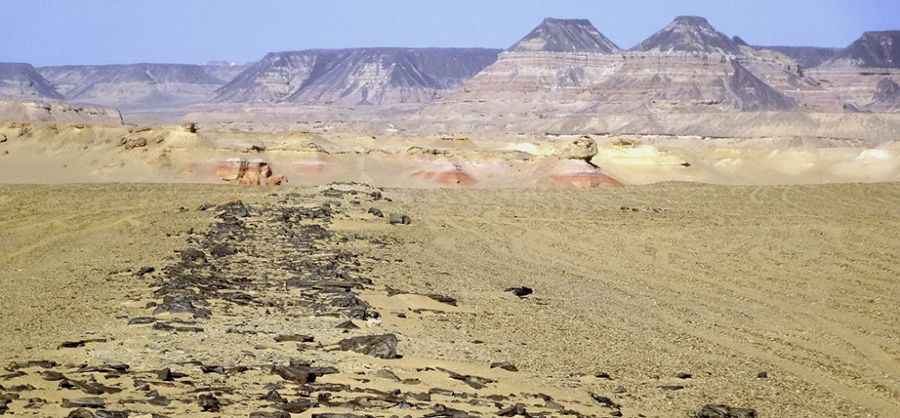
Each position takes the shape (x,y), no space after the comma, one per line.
(266,414)
(521,291)
(209,403)
(94,403)
(513,411)
(294,338)
(399,219)
(380,346)
(81,413)
(723,411)
(605,401)
(505,365)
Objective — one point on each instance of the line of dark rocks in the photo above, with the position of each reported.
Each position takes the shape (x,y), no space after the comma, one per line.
(222,268)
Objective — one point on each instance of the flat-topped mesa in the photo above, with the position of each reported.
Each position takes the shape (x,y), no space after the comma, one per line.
(565,35)
(142,84)
(873,49)
(690,34)
(22,81)
(360,76)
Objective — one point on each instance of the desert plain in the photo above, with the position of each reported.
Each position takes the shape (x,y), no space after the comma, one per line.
(692,227)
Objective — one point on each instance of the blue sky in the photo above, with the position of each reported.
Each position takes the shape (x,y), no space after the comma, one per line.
(45,32)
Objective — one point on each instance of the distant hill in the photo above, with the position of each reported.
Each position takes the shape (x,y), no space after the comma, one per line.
(873,49)
(806,56)
(363,76)
(133,85)
(688,34)
(565,35)
(18,80)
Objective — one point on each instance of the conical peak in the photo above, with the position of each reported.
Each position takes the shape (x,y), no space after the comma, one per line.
(691,20)
(565,35)
(690,34)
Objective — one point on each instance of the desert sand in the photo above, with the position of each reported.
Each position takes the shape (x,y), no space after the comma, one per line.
(649,300)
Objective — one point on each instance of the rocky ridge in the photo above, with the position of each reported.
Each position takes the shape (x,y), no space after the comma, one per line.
(278,291)
(22,81)
(872,50)
(364,76)
(133,85)
(688,66)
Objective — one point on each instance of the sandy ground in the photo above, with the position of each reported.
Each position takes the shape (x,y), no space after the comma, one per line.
(53,154)
(641,283)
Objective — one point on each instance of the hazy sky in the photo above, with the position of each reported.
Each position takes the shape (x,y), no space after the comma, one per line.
(45,32)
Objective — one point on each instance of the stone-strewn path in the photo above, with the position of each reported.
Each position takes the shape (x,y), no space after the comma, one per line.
(262,316)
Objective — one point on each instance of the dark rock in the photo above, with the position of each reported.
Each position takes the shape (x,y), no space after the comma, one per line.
(110,414)
(521,291)
(13,375)
(44,364)
(763,375)
(274,414)
(141,320)
(205,206)
(475,382)
(294,338)
(399,219)
(671,387)
(52,376)
(192,256)
(209,403)
(266,414)
(513,411)
(222,250)
(443,299)
(154,398)
(505,365)
(605,401)
(684,375)
(387,374)
(181,303)
(297,406)
(380,346)
(94,403)
(347,325)
(273,396)
(164,326)
(603,375)
(167,375)
(376,212)
(33,403)
(302,373)
(341,416)
(207,369)
(81,413)
(236,208)
(441,411)
(722,411)
(619,389)
(143,271)
(81,343)
(93,388)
